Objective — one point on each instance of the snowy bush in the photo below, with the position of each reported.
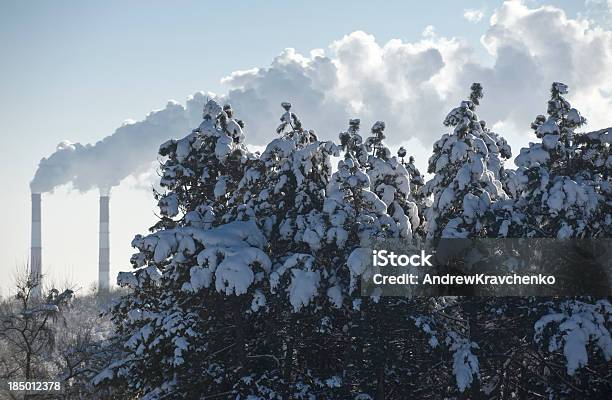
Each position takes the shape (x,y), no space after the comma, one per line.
(574,328)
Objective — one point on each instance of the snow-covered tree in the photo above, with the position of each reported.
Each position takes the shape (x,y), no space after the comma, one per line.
(563,182)
(169,339)
(284,193)
(417,181)
(391,183)
(560,190)
(463,187)
(248,287)
(352,143)
(369,199)
(201,169)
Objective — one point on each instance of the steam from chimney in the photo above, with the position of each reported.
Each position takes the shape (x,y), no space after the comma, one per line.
(104,248)
(129,150)
(409,85)
(36,250)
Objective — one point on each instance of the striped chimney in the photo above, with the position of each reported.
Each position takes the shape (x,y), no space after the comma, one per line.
(104,252)
(36,242)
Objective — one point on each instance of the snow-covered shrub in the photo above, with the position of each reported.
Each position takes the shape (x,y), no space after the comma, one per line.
(576,329)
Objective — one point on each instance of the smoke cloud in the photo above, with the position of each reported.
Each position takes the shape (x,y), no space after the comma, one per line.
(128,151)
(409,85)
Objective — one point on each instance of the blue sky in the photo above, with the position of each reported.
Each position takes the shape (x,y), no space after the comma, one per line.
(77,69)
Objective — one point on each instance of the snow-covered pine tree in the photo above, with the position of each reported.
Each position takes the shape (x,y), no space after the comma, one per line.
(357,214)
(563,180)
(391,183)
(497,146)
(468,165)
(172,344)
(283,191)
(286,200)
(248,286)
(202,168)
(369,196)
(369,199)
(563,185)
(561,190)
(463,186)
(417,180)
(352,143)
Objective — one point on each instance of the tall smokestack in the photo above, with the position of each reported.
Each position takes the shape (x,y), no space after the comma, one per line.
(36,241)
(104,255)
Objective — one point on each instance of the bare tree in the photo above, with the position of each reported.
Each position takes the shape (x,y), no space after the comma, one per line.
(52,335)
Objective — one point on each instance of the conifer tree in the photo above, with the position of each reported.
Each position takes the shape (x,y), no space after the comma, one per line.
(352,143)
(463,186)
(563,181)
(172,344)
(390,180)
(202,168)
(561,189)
(467,164)
(498,148)
(284,192)
(248,286)
(417,180)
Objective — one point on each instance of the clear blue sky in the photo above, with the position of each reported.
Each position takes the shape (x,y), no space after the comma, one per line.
(77,69)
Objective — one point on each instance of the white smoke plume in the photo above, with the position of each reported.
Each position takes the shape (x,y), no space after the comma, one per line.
(128,151)
(409,85)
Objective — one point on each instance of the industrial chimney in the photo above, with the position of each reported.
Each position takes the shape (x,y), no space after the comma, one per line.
(36,241)
(104,254)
